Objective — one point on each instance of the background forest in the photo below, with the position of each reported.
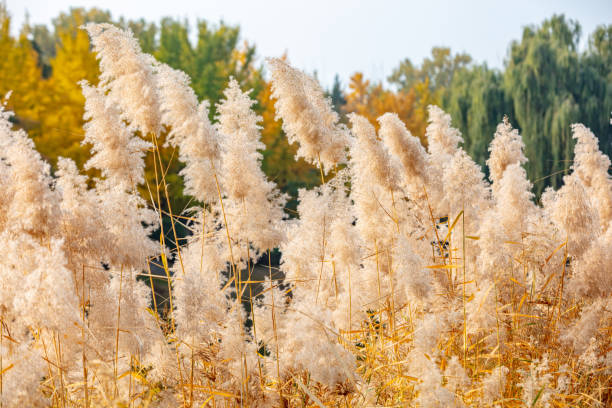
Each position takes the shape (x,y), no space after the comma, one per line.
(546,84)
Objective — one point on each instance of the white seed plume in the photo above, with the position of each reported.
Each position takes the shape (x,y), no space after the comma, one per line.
(307,115)
(514,200)
(493,385)
(30,204)
(315,264)
(127,74)
(575,215)
(371,156)
(307,343)
(116,152)
(467,191)
(509,219)
(123,302)
(197,292)
(47,287)
(592,166)
(506,148)
(131,223)
(442,144)
(406,148)
(21,384)
(579,334)
(190,131)
(254,205)
(592,277)
(86,238)
(374,177)
(536,382)
(442,139)
(465,188)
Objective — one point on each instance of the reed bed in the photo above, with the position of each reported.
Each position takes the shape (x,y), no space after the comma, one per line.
(410,278)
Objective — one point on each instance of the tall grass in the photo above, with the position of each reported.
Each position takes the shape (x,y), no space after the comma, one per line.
(410,278)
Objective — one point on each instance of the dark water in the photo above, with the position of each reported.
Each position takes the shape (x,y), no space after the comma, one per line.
(252,288)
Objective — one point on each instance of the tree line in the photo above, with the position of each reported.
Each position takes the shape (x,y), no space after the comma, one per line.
(546,84)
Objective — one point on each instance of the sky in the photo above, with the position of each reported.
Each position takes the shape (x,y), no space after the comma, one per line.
(341,36)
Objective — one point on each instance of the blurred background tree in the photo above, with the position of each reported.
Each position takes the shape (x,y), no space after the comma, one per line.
(551,85)
(372,100)
(546,84)
(437,70)
(20,73)
(44,65)
(476,101)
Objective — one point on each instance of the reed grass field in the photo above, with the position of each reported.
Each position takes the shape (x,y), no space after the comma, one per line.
(407,278)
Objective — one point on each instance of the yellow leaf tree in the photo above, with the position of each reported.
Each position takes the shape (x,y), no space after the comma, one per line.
(63,103)
(279,163)
(19,73)
(373,100)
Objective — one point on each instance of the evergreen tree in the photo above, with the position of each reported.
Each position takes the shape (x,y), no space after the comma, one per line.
(552,86)
(174,47)
(438,70)
(337,95)
(477,103)
(540,77)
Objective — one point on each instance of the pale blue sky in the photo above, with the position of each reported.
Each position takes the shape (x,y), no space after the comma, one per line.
(346,36)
